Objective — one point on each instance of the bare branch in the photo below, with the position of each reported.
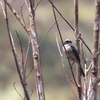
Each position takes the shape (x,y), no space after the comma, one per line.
(22,13)
(26,2)
(20,48)
(61,14)
(57,26)
(14,84)
(89,68)
(17,16)
(26,57)
(38,4)
(46,33)
(31,94)
(85,44)
(29,72)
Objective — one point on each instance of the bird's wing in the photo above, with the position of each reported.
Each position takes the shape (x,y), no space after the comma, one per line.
(75,53)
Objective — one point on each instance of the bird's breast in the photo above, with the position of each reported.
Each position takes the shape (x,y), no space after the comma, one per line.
(69,53)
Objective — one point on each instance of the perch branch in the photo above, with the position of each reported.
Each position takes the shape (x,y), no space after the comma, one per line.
(61,55)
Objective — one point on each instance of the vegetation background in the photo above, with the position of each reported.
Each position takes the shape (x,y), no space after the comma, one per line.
(55,82)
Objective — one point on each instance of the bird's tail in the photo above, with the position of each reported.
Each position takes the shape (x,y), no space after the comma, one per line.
(82,72)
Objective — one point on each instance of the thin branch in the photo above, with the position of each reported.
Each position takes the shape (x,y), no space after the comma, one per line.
(57,26)
(73,73)
(17,90)
(27,5)
(46,34)
(85,44)
(60,14)
(89,68)
(21,7)
(38,4)
(17,16)
(26,57)
(22,13)
(31,94)
(3,9)
(29,72)
(20,48)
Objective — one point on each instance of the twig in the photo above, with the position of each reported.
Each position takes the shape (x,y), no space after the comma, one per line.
(72,73)
(27,5)
(17,90)
(29,72)
(60,14)
(89,68)
(17,16)
(85,44)
(31,94)
(38,4)
(26,57)
(22,13)
(46,34)
(20,48)
(57,26)
(3,9)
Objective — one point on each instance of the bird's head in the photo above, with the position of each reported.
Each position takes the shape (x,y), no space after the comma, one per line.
(67,41)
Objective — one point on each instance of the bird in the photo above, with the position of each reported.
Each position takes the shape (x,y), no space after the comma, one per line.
(72,54)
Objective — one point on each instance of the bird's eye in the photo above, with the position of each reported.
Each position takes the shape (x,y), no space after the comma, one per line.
(67,42)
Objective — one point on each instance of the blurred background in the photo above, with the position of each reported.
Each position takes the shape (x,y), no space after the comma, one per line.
(55,83)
